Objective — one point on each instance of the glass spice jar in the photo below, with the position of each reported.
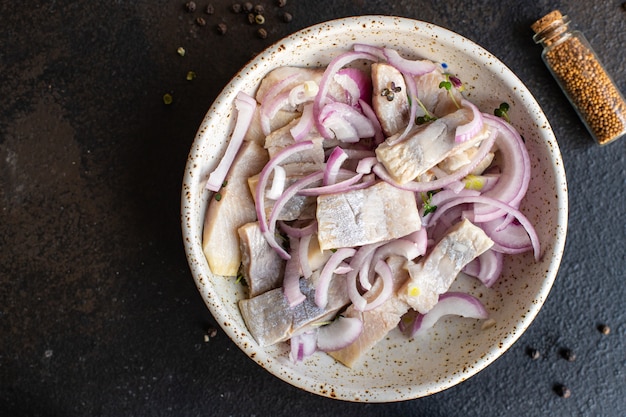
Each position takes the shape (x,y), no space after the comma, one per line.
(578,71)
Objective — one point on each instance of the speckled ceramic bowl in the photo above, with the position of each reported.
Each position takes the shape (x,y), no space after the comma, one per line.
(398,368)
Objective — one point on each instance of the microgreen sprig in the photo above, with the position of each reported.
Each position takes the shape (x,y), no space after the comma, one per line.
(503,112)
(427,200)
(427,117)
(448,83)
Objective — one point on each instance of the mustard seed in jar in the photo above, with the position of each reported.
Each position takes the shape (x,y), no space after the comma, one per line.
(581,76)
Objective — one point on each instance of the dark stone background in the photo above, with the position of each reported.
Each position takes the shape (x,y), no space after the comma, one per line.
(99,315)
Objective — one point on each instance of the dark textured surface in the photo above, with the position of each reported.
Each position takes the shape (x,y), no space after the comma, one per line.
(99,314)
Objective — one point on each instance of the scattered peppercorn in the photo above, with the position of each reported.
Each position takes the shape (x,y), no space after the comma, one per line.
(603,328)
(209,9)
(222,28)
(533,353)
(259,9)
(281,3)
(287,17)
(200,21)
(562,391)
(248,7)
(262,33)
(259,19)
(236,8)
(212,332)
(251,18)
(190,6)
(568,355)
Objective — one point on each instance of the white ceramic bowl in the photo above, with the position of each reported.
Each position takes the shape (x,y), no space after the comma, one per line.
(398,368)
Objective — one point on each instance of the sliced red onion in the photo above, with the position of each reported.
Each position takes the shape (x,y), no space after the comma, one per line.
(278,183)
(291,278)
(362,259)
(270,108)
(519,216)
(342,269)
(338,187)
(303,345)
(370,49)
(342,332)
(321,289)
(417,186)
(303,255)
(333,163)
(298,231)
(413,67)
(335,65)
(451,303)
(515,175)
(246,107)
(487,267)
(386,275)
(345,122)
(275,89)
(356,83)
(304,125)
(262,185)
(365,165)
(468,130)
(369,112)
(291,191)
(303,93)
(511,239)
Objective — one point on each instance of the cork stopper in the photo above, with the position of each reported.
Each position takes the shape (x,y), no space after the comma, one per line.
(546,21)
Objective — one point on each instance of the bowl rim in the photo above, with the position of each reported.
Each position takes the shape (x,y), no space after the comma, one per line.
(192,231)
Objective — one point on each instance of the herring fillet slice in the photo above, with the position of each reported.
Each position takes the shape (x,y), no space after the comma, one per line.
(425,146)
(391,110)
(434,275)
(270,320)
(261,265)
(369,215)
(220,241)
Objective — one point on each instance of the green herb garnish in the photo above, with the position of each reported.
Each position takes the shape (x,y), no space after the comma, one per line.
(427,200)
(503,112)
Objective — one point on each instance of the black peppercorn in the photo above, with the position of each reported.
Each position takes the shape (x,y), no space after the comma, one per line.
(236,8)
(562,391)
(248,7)
(251,18)
(209,9)
(200,21)
(533,353)
(259,9)
(603,328)
(262,33)
(222,28)
(568,355)
(281,3)
(190,6)
(287,17)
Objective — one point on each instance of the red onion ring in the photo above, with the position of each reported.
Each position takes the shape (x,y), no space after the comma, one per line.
(246,106)
(335,65)
(260,192)
(468,130)
(323,283)
(519,216)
